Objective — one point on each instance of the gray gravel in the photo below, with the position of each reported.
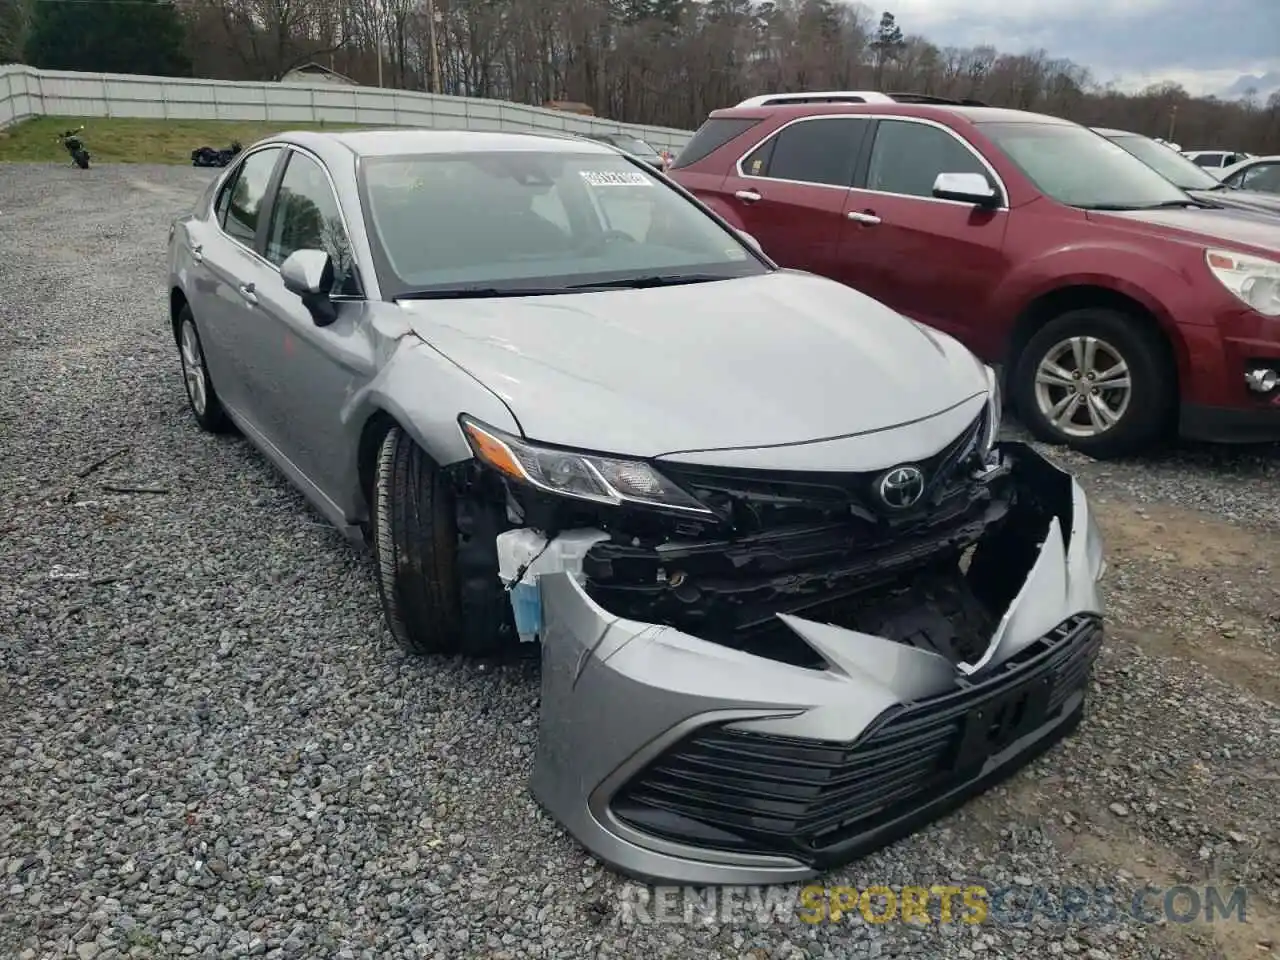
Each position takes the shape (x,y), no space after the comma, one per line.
(210,747)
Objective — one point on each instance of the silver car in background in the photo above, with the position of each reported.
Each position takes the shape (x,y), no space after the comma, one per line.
(793,596)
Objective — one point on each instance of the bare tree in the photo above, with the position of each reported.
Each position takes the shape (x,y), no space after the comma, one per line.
(669,62)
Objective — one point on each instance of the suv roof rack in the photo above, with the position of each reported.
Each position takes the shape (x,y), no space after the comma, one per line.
(852,96)
(926,98)
(818,96)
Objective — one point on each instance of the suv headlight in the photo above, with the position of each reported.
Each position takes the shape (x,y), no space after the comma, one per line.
(571,473)
(995,407)
(1254,280)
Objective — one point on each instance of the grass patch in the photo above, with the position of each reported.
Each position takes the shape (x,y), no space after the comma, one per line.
(132,140)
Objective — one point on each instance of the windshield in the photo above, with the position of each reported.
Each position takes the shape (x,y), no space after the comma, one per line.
(633,146)
(1173,166)
(538,221)
(1076,166)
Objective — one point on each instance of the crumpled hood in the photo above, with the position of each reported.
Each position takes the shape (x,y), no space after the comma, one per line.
(777,359)
(1234,228)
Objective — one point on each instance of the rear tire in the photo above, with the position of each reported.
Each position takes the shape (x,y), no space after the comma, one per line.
(81,158)
(201,397)
(1096,380)
(416,545)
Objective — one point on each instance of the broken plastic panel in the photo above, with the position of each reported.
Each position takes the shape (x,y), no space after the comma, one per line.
(524,555)
(621,691)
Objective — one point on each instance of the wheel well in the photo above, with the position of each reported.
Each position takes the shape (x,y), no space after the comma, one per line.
(177,300)
(375,431)
(1044,308)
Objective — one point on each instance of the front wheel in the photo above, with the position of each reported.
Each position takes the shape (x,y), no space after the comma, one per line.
(1096,380)
(416,544)
(81,158)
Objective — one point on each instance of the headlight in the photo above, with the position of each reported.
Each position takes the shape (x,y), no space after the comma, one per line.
(1254,280)
(569,473)
(995,406)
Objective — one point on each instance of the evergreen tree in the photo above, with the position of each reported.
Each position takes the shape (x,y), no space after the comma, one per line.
(109,36)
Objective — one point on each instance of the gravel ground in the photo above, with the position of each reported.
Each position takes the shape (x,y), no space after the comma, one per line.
(210,747)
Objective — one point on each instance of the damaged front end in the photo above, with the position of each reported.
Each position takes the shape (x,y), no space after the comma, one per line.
(803,670)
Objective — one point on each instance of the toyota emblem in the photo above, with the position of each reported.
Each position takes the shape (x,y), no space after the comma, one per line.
(901,487)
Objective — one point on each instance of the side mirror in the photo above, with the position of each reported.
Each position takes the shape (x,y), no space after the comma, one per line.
(750,241)
(309,274)
(972,188)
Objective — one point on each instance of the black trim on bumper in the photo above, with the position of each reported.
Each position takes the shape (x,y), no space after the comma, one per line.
(1229,424)
(825,803)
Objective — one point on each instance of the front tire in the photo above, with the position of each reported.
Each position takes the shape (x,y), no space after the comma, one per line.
(81,157)
(1096,380)
(416,546)
(202,398)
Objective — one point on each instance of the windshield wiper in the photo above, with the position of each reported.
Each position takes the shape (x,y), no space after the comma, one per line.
(648,280)
(480,293)
(1130,207)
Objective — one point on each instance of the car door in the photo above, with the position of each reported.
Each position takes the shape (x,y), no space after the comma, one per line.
(789,191)
(225,263)
(305,372)
(937,261)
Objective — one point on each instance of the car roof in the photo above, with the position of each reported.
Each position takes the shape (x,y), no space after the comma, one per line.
(406,142)
(1112,132)
(923,110)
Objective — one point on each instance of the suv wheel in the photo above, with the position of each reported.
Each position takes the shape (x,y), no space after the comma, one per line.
(416,546)
(1095,380)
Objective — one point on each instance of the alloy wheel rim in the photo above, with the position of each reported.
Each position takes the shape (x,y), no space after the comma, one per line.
(1083,386)
(193,368)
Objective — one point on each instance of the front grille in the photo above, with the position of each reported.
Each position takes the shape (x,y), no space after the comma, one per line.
(762,500)
(762,793)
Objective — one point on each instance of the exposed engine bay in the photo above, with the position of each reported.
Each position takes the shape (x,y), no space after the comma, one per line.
(823,546)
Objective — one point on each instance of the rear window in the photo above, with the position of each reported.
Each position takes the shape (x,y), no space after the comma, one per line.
(711,136)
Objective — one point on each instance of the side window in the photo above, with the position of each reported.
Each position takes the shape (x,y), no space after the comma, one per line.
(305,216)
(907,158)
(223,200)
(1207,160)
(246,193)
(811,151)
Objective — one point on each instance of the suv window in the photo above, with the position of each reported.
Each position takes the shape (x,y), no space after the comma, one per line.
(305,216)
(710,137)
(245,193)
(907,158)
(810,151)
(1208,160)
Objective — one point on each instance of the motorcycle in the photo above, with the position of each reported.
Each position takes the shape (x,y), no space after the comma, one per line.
(210,157)
(75,146)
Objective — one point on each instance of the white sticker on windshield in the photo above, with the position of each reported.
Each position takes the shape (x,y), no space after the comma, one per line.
(616,178)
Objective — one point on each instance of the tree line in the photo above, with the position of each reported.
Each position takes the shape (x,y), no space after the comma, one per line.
(665,62)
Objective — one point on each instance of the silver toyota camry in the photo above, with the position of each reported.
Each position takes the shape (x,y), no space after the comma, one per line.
(793,596)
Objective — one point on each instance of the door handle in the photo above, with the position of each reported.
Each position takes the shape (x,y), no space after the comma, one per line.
(246,291)
(870,219)
(196,253)
(750,196)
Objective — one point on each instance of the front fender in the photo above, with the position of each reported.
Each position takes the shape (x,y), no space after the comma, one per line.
(1129,270)
(424,392)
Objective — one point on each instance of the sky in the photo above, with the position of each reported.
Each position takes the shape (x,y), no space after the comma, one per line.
(1134,43)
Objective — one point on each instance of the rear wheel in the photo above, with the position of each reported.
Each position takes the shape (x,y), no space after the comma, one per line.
(81,158)
(1096,380)
(201,396)
(416,543)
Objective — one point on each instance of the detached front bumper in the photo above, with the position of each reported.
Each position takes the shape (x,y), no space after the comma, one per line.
(677,759)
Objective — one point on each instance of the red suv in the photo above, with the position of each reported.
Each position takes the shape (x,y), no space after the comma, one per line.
(1118,307)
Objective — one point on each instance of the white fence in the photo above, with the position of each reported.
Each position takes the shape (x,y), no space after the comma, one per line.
(28,92)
